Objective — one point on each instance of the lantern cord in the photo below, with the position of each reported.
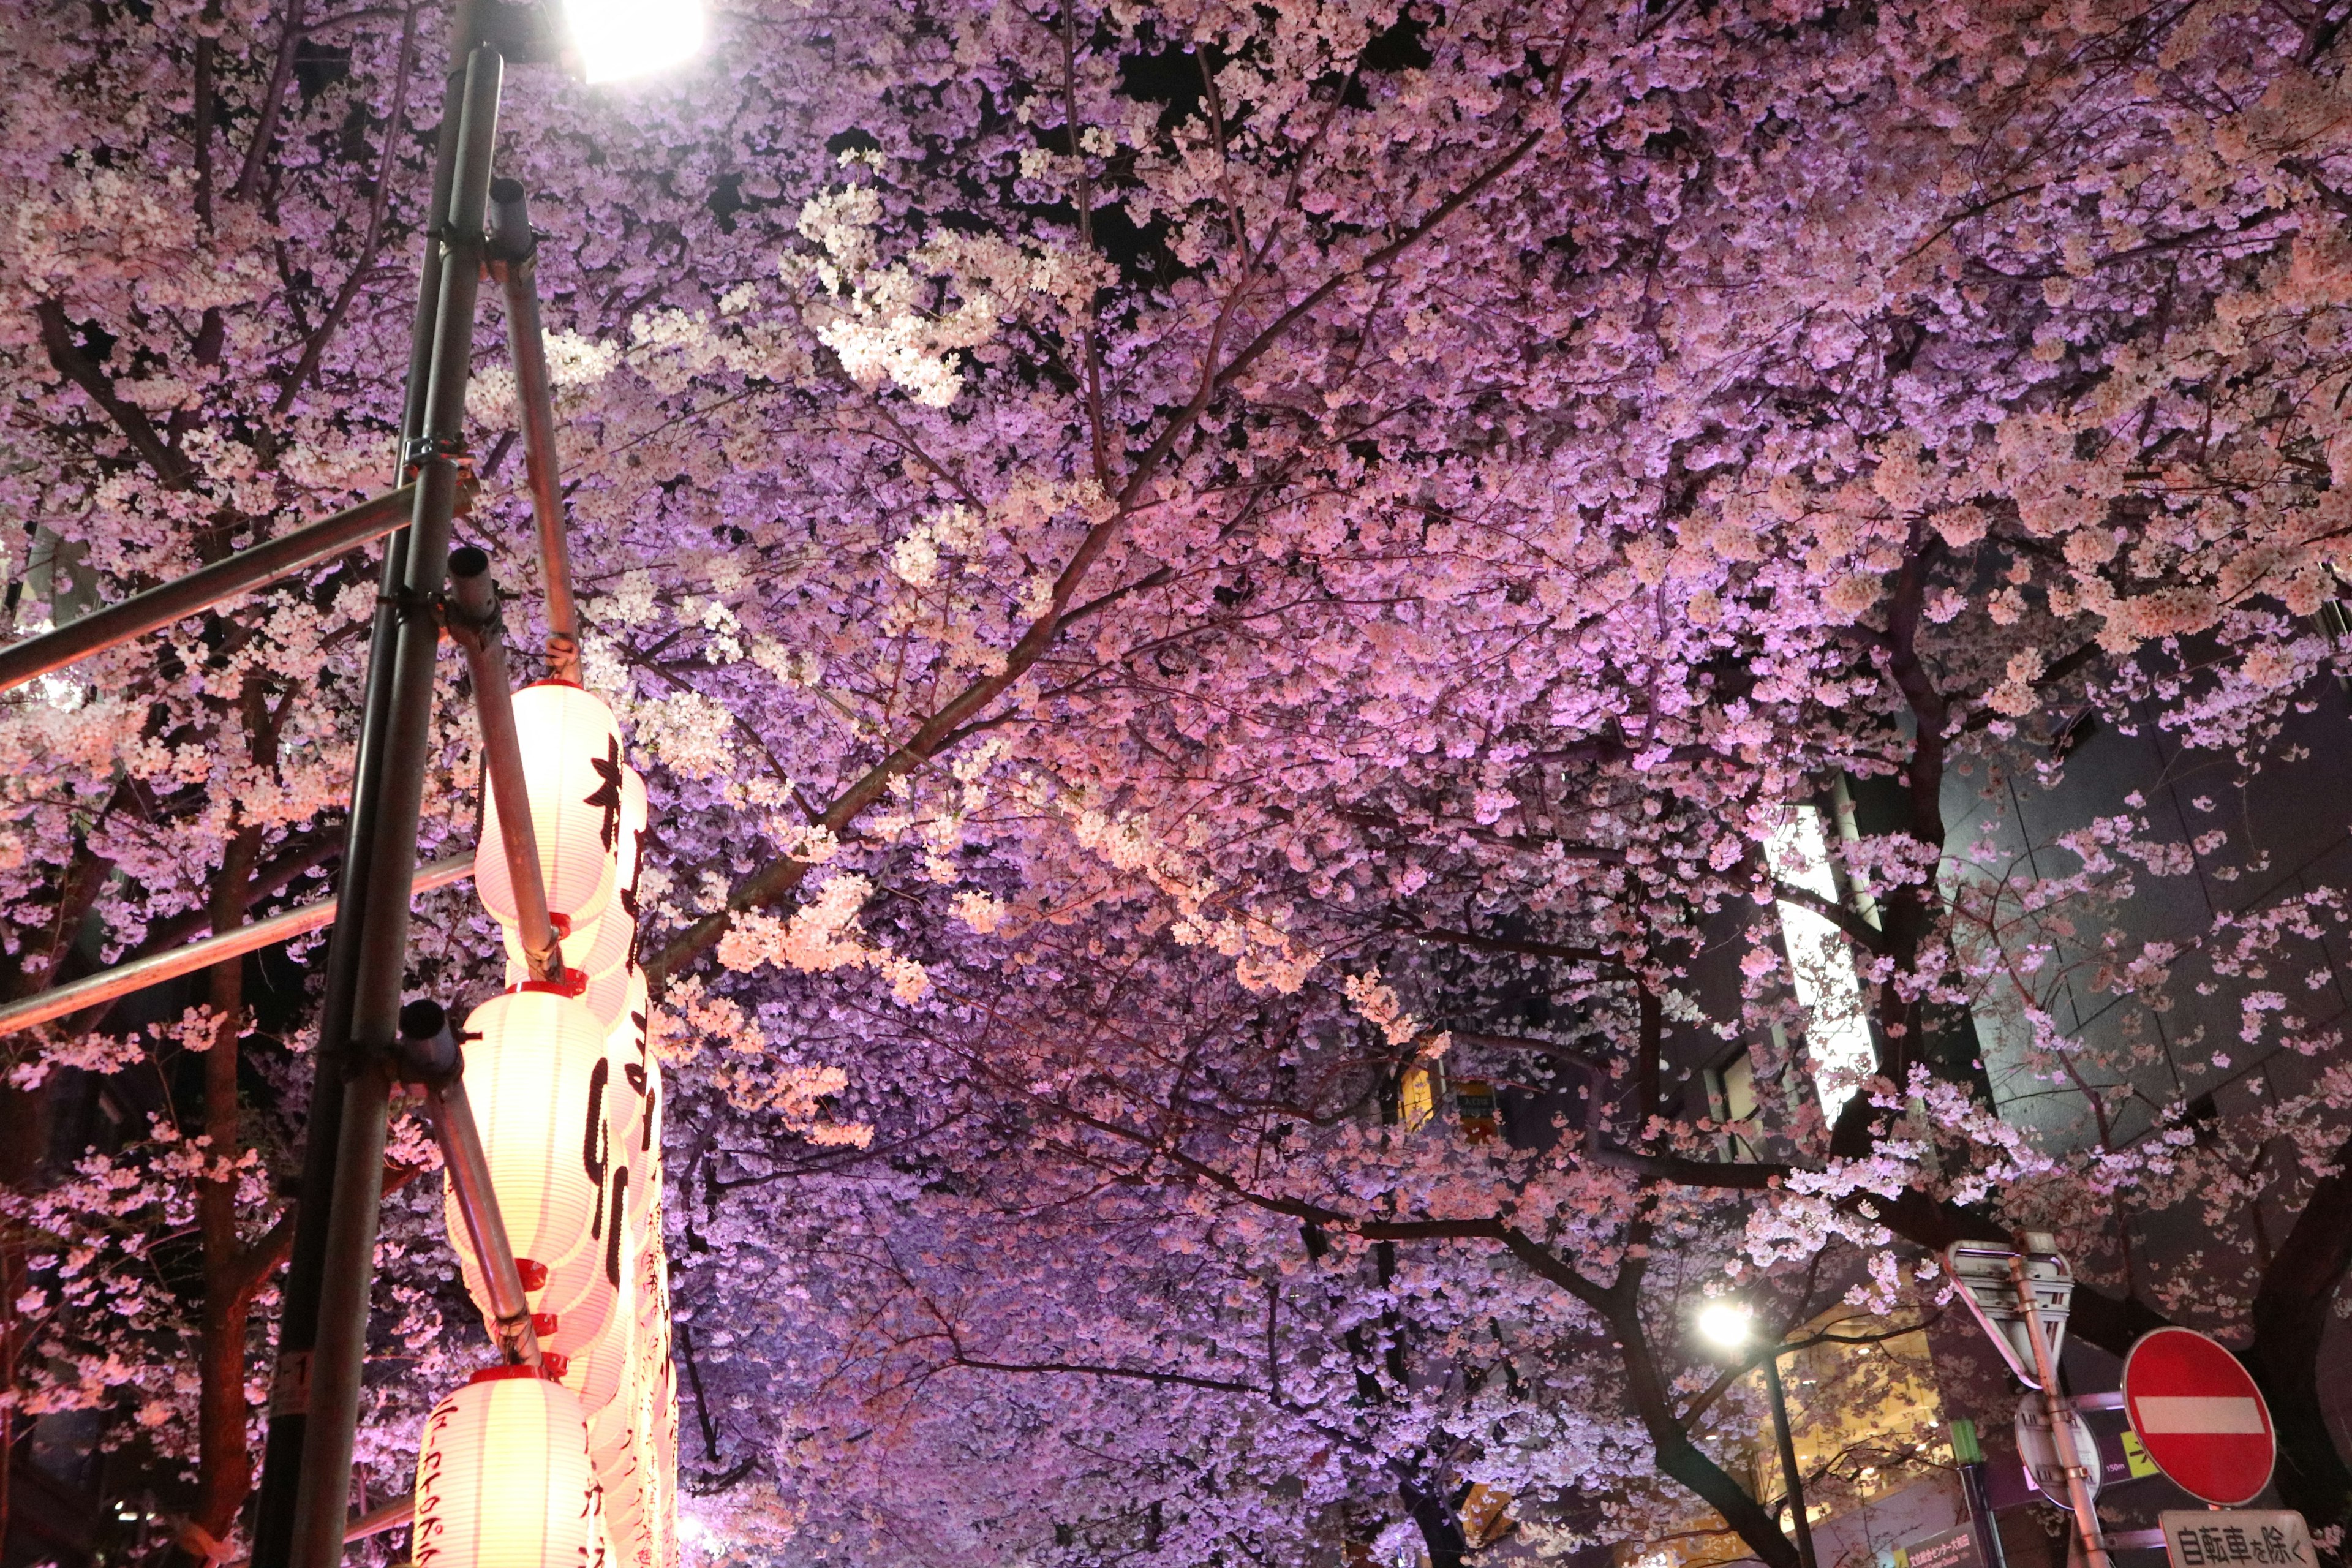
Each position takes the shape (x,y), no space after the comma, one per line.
(474,625)
(429,1054)
(513,254)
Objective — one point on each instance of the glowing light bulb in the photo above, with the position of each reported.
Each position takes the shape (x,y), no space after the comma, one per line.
(620,39)
(1725,1322)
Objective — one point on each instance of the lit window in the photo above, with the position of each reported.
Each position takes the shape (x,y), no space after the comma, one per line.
(1837,1038)
(1416,1099)
(1474,1101)
(1734,1093)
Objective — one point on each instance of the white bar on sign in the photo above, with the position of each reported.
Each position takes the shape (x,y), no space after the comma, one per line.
(2197,1412)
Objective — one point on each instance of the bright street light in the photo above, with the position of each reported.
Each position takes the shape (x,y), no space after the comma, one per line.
(618,39)
(1725,1321)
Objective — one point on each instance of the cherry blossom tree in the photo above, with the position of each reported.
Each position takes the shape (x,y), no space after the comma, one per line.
(1168,562)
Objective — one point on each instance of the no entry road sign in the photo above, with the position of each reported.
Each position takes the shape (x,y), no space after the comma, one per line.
(2200,1417)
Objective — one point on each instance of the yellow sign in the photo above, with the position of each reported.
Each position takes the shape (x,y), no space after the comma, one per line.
(2137,1456)
(1482,1520)
(1416,1099)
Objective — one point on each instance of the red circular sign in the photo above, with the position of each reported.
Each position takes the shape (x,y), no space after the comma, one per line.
(2200,1417)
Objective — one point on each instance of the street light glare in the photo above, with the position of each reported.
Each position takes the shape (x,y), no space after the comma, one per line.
(619,39)
(1724,1321)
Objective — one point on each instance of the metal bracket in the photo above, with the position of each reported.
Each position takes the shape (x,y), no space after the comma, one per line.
(425,448)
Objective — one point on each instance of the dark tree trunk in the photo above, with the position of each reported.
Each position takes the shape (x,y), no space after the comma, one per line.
(2291,1312)
(1440,1529)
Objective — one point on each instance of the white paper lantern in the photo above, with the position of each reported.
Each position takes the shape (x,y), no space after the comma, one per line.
(503,1478)
(571,772)
(610,941)
(623,1460)
(605,1368)
(535,1074)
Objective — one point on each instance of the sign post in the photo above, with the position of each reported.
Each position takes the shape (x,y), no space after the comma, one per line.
(2200,1417)
(2027,1322)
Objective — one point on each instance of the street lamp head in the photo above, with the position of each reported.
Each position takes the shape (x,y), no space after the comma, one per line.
(619,39)
(1725,1322)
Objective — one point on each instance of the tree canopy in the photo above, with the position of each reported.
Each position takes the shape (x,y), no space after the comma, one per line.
(1165,563)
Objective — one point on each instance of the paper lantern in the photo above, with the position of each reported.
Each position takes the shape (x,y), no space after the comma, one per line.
(604,945)
(622,1461)
(535,1074)
(571,772)
(605,1368)
(503,1478)
(585,1290)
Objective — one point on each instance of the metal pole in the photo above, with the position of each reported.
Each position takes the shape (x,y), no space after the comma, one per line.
(339,1355)
(1789,1459)
(389,1515)
(290,1399)
(1982,1521)
(156,967)
(474,626)
(431,1056)
(204,587)
(2061,1414)
(514,262)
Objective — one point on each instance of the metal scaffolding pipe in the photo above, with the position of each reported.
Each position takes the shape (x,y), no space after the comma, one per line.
(157,967)
(347,1269)
(306,1264)
(207,586)
(389,1515)
(514,262)
(474,626)
(430,1056)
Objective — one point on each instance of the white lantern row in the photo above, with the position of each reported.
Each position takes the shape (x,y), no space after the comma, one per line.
(568,1099)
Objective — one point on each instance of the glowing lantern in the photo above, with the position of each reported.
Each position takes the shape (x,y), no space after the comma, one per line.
(571,770)
(535,1072)
(614,994)
(623,1462)
(503,1478)
(604,945)
(604,1368)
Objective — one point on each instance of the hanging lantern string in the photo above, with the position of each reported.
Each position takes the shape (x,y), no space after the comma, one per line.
(474,624)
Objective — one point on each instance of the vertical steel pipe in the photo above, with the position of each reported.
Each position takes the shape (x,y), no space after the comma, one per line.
(474,626)
(290,1397)
(339,1355)
(514,262)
